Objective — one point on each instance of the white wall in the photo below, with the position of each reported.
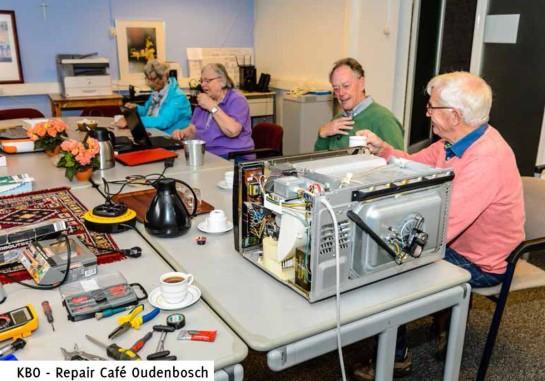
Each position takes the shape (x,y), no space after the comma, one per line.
(298,41)
(382,46)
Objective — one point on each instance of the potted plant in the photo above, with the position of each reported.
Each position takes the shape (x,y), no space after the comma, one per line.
(48,135)
(79,159)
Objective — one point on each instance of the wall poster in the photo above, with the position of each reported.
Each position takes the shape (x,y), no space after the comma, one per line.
(10,59)
(138,41)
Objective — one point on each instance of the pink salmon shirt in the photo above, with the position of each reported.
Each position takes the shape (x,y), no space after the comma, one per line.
(486,212)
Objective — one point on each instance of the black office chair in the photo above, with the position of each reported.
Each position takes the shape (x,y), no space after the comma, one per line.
(19,113)
(268,141)
(520,274)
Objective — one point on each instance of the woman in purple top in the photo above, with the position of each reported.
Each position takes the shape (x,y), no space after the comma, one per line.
(222,118)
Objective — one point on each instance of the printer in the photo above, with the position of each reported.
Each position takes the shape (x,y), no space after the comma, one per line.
(83,75)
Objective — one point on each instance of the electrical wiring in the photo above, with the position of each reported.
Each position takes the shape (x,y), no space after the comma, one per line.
(131,180)
(337,285)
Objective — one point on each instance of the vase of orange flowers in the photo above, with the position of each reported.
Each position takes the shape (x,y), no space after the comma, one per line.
(48,135)
(79,159)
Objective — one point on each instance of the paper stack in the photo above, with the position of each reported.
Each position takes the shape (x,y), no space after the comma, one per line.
(15,184)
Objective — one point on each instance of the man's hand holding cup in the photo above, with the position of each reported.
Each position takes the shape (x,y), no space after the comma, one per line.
(374,143)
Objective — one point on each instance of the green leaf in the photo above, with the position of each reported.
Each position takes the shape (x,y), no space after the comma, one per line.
(69,173)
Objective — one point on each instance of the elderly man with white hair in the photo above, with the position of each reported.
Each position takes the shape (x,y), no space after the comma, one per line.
(486,213)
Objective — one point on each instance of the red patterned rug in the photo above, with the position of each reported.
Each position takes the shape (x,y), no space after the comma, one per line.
(29,208)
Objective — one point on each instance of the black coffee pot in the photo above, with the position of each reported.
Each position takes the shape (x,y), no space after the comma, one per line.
(167,215)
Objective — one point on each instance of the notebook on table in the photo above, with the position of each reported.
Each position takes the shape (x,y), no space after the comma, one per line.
(141,139)
(144,156)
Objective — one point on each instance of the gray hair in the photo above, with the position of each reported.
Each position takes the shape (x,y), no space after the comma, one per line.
(157,67)
(352,63)
(221,72)
(465,92)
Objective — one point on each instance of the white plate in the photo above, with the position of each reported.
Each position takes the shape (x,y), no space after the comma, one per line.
(203,226)
(156,299)
(223,185)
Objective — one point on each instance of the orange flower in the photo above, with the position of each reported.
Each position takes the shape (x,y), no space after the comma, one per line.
(39,129)
(68,145)
(58,124)
(93,146)
(52,131)
(83,153)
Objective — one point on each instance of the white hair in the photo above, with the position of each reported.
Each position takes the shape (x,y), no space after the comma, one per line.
(157,67)
(465,92)
(221,72)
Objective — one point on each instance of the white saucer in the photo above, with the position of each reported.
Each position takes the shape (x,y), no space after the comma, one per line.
(156,299)
(223,185)
(203,226)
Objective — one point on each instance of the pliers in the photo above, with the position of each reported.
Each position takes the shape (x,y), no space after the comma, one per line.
(76,354)
(133,320)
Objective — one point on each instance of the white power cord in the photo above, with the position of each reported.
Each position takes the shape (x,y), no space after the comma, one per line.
(337,285)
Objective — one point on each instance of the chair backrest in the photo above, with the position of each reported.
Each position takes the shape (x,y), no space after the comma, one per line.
(268,135)
(534,203)
(107,111)
(520,274)
(18,113)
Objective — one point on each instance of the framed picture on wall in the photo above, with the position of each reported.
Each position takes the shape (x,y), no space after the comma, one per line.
(10,59)
(137,42)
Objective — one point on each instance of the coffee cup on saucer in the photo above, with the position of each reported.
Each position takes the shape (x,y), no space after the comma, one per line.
(228,177)
(357,141)
(175,286)
(92,123)
(216,221)
(85,124)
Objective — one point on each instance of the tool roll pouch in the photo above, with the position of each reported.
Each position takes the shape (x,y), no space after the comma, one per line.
(83,298)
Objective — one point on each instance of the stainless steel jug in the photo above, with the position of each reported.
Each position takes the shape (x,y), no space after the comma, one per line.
(106,141)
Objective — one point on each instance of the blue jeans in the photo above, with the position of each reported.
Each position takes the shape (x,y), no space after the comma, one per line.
(479,278)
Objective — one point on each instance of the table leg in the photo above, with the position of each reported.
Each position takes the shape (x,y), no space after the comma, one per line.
(56,111)
(456,337)
(385,354)
(230,373)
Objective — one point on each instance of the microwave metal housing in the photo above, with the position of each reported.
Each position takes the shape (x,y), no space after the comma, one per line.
(391,218)
(83,75)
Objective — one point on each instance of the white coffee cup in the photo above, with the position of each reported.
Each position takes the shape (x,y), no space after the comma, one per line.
(117,118)
(229,177)
(357,141)
(216,221)
(175,286)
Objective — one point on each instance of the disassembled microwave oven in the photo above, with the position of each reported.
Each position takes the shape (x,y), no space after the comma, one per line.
(391,218)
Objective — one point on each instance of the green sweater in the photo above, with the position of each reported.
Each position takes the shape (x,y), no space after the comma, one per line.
(375,118)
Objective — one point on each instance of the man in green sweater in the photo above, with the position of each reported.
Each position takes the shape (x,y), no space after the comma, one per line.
(359,111)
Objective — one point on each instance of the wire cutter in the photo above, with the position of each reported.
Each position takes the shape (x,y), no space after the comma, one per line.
(133,320)
(76,354)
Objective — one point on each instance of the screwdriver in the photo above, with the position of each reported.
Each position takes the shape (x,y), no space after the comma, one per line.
(48,313)
(115,351)
(140,343)
(112,311)
(12,347)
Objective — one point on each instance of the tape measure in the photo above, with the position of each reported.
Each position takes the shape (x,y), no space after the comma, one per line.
(176,321)
(18,323)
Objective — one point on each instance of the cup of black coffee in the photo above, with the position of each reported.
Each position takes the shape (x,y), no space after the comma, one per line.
(174,286)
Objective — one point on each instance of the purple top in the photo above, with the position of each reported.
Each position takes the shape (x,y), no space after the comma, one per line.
(236,106)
